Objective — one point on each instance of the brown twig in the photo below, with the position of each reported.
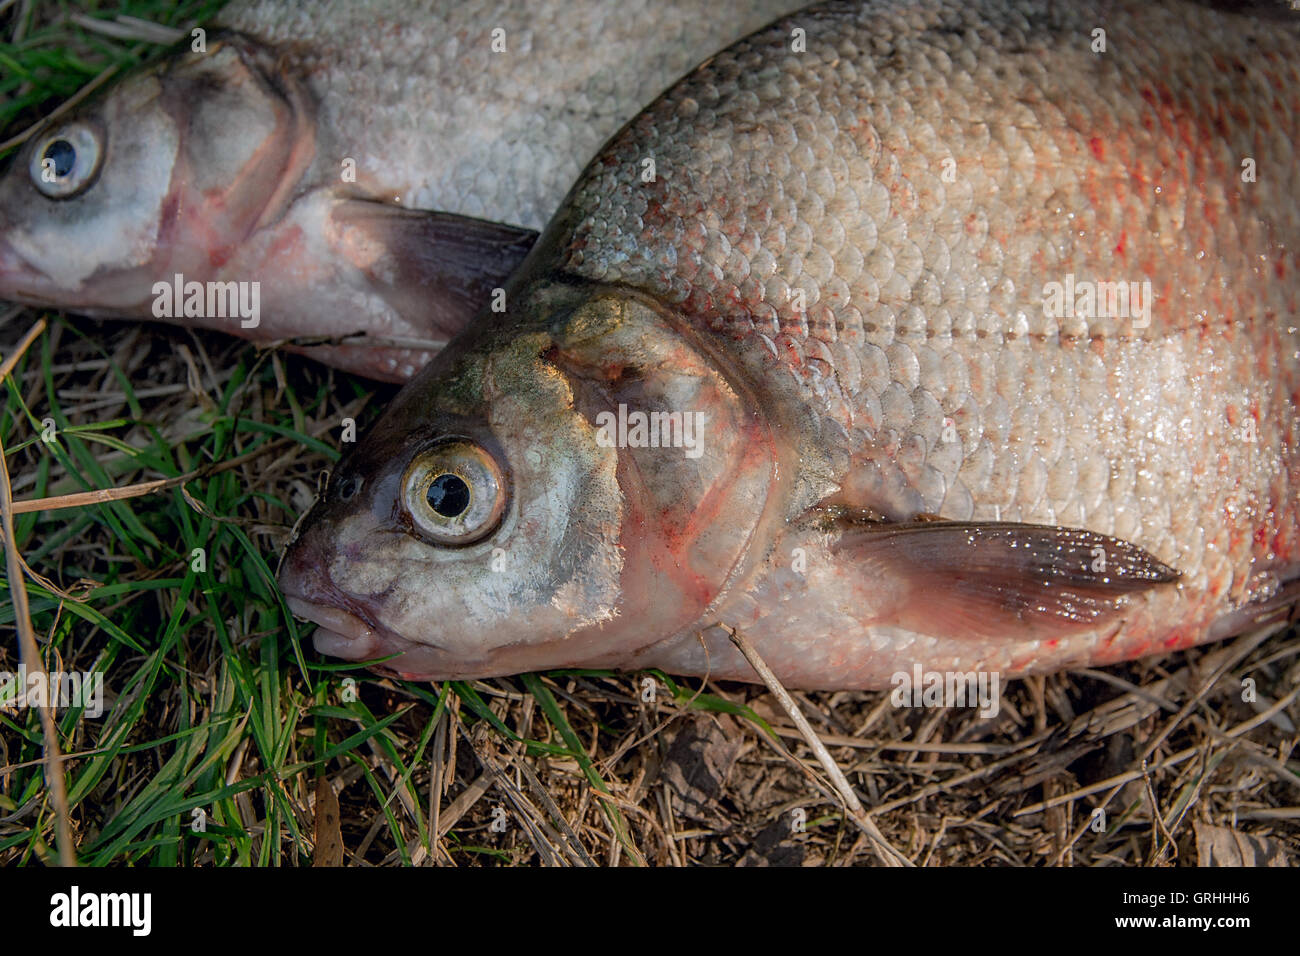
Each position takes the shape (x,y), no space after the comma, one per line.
(888,855)
(23,345)
(98,496)
(31,656)
(103,495)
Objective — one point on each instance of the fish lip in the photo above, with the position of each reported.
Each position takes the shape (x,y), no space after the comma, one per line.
(345,627)
(346,635)
(24,283)
(343,633)
(17,277)
(349,636)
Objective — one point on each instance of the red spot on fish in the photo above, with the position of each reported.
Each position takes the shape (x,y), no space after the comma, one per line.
(654,212)
(1098,149)
(285,241)
(167,221)
(1119,246)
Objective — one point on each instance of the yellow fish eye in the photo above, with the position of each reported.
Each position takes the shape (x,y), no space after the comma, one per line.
(454,492)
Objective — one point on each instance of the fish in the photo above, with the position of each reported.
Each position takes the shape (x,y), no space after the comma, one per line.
(903,334)
(340,169)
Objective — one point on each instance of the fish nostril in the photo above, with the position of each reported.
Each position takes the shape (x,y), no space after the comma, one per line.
(349,489)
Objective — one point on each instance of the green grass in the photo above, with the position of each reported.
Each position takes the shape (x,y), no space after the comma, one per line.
(148,616)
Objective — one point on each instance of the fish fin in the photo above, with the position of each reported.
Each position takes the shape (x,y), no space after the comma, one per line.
(1274,602)
(995,579)
(1273,10)
(434,268)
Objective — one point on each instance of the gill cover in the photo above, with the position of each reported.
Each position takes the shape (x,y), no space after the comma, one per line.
(601,547)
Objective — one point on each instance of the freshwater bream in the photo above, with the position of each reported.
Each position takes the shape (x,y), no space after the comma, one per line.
(848,273)
(343,155)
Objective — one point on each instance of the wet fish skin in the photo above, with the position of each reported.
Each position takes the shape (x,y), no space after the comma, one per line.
(491,135)
(229,165)
(916,464)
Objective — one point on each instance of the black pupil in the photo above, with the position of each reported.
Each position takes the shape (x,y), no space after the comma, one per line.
(64,155)
(449,495)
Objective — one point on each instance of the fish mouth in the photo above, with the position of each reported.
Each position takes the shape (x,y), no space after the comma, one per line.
(339,633)
(18,280)
(22,282)
(346,634)
(310,594)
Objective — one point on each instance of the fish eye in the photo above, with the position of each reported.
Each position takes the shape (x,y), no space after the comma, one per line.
(66,161)
(454,492)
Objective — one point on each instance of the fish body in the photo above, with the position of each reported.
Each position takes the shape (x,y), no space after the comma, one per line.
(876,279)
(375,168)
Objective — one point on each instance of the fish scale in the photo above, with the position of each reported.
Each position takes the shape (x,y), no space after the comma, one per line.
(844,259)
(509,131)
(912,273)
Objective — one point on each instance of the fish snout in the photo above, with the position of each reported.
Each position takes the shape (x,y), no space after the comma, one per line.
(345,628)
(21,281)
(17,278)
(311,595)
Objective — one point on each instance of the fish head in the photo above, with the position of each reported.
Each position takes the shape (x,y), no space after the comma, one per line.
(511,511)
(166,172)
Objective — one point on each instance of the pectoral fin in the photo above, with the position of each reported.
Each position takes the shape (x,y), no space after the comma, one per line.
(998,580)
(435,269)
